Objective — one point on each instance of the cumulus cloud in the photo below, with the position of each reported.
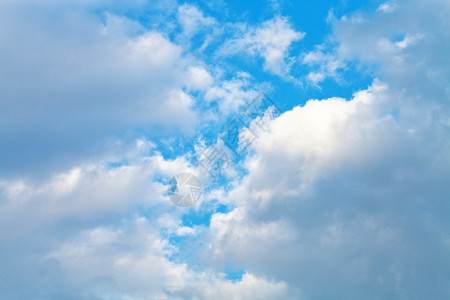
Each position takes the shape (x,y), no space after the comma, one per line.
(344,198)
(77,78)
(83,212)
(339,187)
(133,263)
(86,240)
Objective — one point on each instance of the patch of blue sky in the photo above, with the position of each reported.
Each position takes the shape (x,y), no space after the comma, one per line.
(117,164)
(233,273)
(201,216)
(196,217)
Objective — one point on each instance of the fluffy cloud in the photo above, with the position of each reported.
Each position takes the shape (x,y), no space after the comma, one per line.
(83,212)
(70,78)
(133,263)
(89,234)
(345,198)
(340,193)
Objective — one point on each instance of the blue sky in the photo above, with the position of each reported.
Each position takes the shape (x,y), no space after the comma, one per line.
(341,194)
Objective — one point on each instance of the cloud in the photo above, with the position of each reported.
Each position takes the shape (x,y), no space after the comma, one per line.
(192,19)
(70,81)
(85,196)
(400,48)
(90,235)
(324,64)
(271,41)
(111,263)
(339,198)
(339,192)
(234,93)
(386,7)
(199,78)
(90,189)
(349,193)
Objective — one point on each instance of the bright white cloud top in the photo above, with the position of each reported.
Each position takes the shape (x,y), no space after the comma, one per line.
(345,195)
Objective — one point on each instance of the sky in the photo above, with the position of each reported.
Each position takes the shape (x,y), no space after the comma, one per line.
(337,187)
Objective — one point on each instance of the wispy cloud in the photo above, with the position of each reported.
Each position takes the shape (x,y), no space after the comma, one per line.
(270,41)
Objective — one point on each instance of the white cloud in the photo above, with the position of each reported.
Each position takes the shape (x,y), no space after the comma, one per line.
(386,7)
(343,198)
(74,80)
(90,189)
(396,45)
(193,19)
(78,78)
(87,237)
(332,192)
(348,194)
(325,65)
(131,263)
(199,78)
(271,41)
(405,55)
(232,94)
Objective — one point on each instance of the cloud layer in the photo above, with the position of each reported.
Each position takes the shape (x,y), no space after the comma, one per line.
(339,198)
